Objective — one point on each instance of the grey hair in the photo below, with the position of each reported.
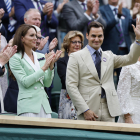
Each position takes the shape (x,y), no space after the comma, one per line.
(37,28)
(26,15)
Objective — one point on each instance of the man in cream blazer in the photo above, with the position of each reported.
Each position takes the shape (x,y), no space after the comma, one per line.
(93,96)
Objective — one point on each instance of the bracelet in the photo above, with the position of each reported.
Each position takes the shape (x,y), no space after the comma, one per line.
(138,40)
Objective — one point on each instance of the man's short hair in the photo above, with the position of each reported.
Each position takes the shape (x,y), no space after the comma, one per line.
(94,24)
(26,15)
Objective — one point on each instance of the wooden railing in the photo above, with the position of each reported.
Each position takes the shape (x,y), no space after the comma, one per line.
(75,124)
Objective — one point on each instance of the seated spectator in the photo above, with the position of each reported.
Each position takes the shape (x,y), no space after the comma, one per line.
(9,20)
(78,14)
(73,42)
(32,71)
(5,54)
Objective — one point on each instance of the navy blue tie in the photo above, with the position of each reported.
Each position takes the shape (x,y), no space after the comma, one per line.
(98,63)
(98,68)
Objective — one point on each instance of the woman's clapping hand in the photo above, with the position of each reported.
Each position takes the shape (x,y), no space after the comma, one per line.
(57,56)
(51,58)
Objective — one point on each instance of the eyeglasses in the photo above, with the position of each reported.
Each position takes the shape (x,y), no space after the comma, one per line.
(75,42)
(38,37)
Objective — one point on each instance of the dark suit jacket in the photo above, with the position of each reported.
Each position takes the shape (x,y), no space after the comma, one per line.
(75,19)
(5,19)
(61,69)
(1,72)
(10,99)
(21,6)
(111,37)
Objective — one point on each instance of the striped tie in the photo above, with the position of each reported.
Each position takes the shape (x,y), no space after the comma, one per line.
(8,6)
(120,29)
(42,26)
(84,6)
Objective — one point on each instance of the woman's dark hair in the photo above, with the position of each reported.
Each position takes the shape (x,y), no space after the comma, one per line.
(21,32)
(94,24)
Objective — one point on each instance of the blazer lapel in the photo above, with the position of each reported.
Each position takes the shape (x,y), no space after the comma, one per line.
(104,63)
(35,65)
(29,4)
(36,61)
(89,63)
(29,61)
(77,6)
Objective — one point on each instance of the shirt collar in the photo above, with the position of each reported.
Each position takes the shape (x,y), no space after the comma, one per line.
(85,2)
(92,50)
(112,7)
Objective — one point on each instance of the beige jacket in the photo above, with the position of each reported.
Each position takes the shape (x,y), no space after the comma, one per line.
(84,86)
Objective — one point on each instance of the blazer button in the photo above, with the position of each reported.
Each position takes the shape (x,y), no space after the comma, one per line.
(42,87)
(35,87)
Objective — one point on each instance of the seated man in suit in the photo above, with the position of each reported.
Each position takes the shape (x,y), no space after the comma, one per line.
(46,9)
(78,14)
(89,77)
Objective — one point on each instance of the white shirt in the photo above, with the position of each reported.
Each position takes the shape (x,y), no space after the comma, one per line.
(35,4)
(85,2)
(9,1)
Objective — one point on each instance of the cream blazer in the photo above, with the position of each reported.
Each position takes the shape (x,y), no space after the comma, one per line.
(84,86)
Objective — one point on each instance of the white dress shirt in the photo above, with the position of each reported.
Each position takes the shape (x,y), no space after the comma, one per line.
(35,4)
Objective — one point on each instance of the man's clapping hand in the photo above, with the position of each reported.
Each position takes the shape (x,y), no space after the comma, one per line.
(90,115)
(48,10)
(89,7)
(137,30)
(57,56)
(53,44)
(95,9)
(6,54)
(136,10)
